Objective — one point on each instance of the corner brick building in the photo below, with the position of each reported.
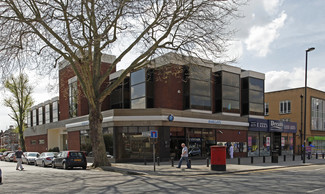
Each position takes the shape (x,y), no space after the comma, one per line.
(185,99)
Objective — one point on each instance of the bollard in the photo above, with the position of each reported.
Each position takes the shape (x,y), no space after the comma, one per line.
(145,161)
(293,157)
(263,159)
(252,160)
(316,155)
(172,159)
(158,161)
(284,158)
(207,162)
(238,161)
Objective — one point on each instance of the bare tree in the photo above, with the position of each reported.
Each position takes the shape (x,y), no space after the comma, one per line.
(79,31)
(19,102)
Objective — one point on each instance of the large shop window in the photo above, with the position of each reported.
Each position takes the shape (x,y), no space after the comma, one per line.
(132,145)
(319,146)
(73,97)
(259,143)
(47,114)
(287,144)
(199,88)
(55,111)
(318,114)
(138,89)
(40,116)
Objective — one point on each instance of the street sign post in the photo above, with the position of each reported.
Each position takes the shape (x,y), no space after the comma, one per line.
(154,136)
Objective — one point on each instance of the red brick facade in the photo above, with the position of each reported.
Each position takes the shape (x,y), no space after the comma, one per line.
(74,140)
(36,143)
(169,84)
(64,75)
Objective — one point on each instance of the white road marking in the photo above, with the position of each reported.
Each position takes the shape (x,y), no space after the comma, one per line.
(315,190)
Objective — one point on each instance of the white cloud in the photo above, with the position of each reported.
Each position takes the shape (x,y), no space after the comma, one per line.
(260,37)
(280,80)
(271,6)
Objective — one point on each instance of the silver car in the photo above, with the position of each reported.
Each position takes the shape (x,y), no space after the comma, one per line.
(30,157)
(45,159)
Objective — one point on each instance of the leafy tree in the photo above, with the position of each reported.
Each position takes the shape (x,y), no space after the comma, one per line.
(19,102)
(44,32)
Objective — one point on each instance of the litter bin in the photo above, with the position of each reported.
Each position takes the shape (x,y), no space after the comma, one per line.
(218,158)
(275,157)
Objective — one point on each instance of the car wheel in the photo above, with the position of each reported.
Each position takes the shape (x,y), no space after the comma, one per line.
(65,166)
(35,163)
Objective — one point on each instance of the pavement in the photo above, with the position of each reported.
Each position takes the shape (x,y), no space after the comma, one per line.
(200,167)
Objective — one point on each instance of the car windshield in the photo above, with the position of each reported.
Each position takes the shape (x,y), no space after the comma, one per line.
(49,154)
(76,154)
(32,154)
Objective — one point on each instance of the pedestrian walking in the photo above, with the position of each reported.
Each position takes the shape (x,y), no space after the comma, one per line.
(231,151)
(18,155)
(184,156)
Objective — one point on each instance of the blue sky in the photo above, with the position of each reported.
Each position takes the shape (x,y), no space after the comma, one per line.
(271,38)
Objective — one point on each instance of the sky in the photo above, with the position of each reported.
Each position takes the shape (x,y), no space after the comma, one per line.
(271,38)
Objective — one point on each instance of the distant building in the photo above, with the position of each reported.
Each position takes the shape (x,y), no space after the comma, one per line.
(9,139)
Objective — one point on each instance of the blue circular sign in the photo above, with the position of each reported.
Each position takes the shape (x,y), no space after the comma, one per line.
(170,117)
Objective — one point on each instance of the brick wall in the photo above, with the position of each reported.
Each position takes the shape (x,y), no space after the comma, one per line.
(168,87)
(74,140)
(36,146)
(83,109)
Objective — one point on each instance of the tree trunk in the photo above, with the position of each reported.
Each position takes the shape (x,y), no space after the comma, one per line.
(22,140)
(96,136)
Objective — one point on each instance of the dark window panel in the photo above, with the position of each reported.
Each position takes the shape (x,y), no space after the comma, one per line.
(138,77)
(138,91)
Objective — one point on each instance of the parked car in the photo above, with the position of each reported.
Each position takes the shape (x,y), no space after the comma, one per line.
(194,152)
(90,154)
(30,157)
(5,154)
(10,157)
(70,159)
(45,159)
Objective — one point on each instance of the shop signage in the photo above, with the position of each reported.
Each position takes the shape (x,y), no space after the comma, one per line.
(195,139)
(275,126)
(289,127)
(258,124)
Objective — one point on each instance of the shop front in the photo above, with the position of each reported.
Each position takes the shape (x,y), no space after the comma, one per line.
(259,139)
(319,144)
(266,136)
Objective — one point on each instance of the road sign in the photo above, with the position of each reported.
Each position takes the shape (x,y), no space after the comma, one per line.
(154,134)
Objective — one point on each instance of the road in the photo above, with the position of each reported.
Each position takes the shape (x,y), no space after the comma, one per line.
(307,179)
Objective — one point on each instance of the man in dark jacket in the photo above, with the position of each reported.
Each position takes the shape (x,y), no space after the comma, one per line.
(18,155)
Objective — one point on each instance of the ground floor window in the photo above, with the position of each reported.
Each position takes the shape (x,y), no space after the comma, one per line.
(319,146)
(287,144)
(259,143)
(132,144)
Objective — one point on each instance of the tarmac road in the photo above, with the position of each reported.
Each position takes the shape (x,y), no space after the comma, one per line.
(301,179)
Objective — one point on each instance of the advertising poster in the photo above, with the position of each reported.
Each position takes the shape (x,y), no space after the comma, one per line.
(283,141)
(268,141)
(249,141)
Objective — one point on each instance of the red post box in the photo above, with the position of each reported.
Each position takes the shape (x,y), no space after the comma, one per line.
(218,158)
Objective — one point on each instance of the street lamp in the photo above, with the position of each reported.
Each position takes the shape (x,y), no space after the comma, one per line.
(308,50)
